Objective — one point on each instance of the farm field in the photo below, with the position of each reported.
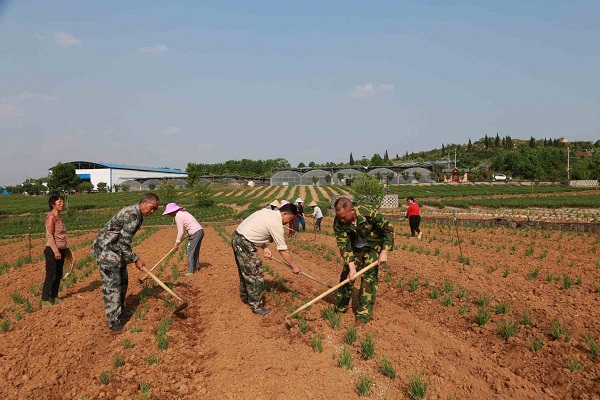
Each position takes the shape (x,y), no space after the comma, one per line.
(512,317)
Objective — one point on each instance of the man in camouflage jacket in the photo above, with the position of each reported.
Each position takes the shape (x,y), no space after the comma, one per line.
(363,236)
(112,249)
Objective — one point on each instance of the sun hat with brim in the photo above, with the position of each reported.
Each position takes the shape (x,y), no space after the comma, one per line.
(170,208)
(313,204)
(283,203)
(275,203)
(299,200)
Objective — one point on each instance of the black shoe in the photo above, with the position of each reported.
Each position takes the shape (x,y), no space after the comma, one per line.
(118,327)
(125,314)
(262,311)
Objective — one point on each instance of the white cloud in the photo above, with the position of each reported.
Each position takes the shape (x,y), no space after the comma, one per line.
(172,131)
(360,91)
(386,87)
(156,49)
(64,39)
(11,110)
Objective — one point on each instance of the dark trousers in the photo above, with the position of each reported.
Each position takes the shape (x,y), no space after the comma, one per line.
(54,273)
(414,221)
(318,224)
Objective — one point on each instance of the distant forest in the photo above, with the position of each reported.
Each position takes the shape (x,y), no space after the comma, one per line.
(533,159)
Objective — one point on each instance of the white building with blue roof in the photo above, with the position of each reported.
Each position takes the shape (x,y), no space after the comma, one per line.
(133,176)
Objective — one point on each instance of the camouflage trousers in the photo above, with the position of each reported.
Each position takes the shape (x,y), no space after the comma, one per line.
(368,285)
(249,269)
(114,282)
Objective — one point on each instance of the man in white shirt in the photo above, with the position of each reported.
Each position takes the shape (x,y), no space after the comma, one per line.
(257,230)
(317,215)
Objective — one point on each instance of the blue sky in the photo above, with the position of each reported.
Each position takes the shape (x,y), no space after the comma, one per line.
(164,83)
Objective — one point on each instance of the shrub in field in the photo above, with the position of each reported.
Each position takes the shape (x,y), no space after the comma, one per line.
(386,368)
(367,346)
(345,359)
(364,384)
(417,385)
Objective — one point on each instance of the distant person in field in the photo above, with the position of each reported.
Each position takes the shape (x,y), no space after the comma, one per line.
(317,215)
(194,231)
(257,230)
(414,217)
(300,217)
(112,249)
(54,253)
(363,236)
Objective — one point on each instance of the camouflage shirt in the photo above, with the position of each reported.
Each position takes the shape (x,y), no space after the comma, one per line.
(114,239)
(371,226)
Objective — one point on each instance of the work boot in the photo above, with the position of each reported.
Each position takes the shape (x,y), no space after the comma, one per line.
(46,304)
(118,327)
(262,311)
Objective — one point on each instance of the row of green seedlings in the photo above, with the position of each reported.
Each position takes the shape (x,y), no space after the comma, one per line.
(506,328)
(222,234)
(321,249)
(417,384)
(423,250)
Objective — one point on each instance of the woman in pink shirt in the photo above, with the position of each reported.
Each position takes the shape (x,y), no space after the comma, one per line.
(185,220)
(54,253)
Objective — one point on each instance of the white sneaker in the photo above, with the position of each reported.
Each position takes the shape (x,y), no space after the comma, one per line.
(420,233)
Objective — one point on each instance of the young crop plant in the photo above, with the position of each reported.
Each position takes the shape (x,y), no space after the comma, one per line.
(345,358)
(501,308)
(367,346)
(105,377)
(128,344)
(557,330)
(316,343)
(144,390)
(386,368)
(482,316)
(533,274)
(447,300)
(135,328)
(303,325)
(17,297)
(507,329)
(330,315)
(529,251)
(28,307)
(417,385)
(152,359)
(591,344)
(536,344)
(118,361)
(481,301)
(434,293)
(464,309)
(413,283)
(506,272)
(526,320)
(567,282)
(350,334)
(447,286)
(364,384)
(5,325)
(573,364)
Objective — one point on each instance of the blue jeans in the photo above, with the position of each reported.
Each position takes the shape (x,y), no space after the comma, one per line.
(300,220)
(193,250)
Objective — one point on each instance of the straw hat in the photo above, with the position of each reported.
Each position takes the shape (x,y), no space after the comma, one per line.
(170,208)
(275,203)
(313,204)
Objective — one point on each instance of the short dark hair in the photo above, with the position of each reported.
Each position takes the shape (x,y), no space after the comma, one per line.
(289,208)
(53,199)
(410,198)
(342,203)
(150,197)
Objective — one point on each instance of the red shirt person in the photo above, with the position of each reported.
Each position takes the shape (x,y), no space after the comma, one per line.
(414,217)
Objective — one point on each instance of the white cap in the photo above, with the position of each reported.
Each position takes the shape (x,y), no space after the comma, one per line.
(299,200)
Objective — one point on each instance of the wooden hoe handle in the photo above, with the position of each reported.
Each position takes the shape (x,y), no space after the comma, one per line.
(333,289)
(301,272)
(172,293)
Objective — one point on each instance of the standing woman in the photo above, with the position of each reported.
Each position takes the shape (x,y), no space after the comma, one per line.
(185,220)
(56,247)
(414,216)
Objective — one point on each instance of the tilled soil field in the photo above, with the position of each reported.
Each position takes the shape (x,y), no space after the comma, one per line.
(430,318)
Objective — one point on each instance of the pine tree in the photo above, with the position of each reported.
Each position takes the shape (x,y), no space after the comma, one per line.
(497,141)
(386,159)
(469,146)
(532,142)
(351,159)
(486,141)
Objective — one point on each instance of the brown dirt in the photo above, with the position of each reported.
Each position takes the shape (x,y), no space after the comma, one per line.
(218,349)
